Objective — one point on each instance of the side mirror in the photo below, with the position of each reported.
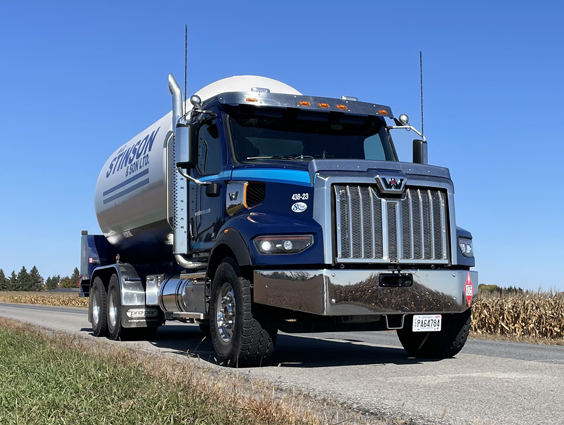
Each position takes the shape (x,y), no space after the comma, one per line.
(184,146)
(420,155)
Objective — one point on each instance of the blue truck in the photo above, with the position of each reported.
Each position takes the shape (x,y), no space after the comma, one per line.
(253,209)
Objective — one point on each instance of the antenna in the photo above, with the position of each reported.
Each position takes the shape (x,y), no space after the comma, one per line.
(421,82)
(185,60)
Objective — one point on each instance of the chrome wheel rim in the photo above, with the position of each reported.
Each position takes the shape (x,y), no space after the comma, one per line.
(95,308)
(112,312)
(226,311)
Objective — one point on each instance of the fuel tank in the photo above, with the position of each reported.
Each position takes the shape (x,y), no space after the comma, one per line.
(131,200)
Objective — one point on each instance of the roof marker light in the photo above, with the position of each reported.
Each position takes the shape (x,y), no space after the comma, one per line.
(251,99)
(383,112)
(304,103)
(323,105)
(343,107)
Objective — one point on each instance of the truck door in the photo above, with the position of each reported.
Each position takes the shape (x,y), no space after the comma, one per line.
(207,203)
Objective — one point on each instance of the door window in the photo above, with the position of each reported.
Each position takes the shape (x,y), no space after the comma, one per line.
(209,149)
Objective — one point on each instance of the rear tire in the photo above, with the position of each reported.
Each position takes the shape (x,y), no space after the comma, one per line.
(437,345)
(98,301)
(239,337)
(115,330)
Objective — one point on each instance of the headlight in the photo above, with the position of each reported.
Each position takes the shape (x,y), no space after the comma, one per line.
(283,244)
(465,245)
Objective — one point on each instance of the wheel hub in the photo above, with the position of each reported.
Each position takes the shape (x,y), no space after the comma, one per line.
(95,309)
(112,310)
(226,312)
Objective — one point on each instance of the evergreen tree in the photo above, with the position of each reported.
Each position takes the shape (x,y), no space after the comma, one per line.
(36,280)
(13,282)
(24,281)
(75,277)
(4,282)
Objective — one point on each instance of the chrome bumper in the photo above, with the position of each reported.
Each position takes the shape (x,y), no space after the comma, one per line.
(359,292)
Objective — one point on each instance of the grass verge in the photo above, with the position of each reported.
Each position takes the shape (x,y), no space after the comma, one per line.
(55,378)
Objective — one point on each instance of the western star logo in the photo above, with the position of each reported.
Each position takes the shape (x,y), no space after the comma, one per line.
(390,184)
(134,158)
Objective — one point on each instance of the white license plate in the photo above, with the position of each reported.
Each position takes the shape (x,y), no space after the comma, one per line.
(427,323)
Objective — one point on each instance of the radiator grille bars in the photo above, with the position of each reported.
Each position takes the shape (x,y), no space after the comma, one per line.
(410,229)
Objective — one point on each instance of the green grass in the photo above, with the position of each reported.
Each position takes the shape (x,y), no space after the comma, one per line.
(42,384)
(46,379)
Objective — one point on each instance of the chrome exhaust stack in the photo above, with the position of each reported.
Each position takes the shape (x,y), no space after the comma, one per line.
(177,103)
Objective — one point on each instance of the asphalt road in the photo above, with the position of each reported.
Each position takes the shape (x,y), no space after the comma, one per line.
(489,382)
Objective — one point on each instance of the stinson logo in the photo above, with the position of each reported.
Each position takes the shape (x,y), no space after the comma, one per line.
(134,158)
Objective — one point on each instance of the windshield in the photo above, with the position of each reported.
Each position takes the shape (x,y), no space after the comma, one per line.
(262,133)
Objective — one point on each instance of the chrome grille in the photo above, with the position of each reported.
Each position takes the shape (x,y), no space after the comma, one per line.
(410,229)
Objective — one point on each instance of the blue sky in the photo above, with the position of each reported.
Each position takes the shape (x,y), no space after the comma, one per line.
(79,79)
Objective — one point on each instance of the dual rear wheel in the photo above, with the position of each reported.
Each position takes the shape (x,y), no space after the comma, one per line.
(107,313)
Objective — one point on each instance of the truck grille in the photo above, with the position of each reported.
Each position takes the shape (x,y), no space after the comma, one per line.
(410,229)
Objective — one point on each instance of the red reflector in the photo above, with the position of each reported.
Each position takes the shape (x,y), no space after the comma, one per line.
(469,289)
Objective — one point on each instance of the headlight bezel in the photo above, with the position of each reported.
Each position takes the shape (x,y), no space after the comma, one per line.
(283,244)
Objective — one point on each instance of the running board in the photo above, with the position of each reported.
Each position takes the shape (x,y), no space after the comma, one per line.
(183,315)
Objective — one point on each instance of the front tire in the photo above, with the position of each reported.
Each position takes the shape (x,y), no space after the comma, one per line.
(98,301)
(239,337)
(437,345)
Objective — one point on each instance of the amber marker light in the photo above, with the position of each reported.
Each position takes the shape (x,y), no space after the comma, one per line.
(304,103)
(251,99)
(323,105)
(383,112)
(343,107)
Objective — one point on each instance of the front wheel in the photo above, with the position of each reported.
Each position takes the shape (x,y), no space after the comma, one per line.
(239,337)
(437,345)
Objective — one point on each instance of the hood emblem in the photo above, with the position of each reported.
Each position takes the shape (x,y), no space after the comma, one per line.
(391,184)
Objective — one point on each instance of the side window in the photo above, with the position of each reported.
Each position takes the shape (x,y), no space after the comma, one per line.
(209,149)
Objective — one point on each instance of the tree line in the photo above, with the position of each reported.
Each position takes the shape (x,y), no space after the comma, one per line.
(33,281)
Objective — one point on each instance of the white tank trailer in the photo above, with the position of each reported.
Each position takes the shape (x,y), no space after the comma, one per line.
(253,208)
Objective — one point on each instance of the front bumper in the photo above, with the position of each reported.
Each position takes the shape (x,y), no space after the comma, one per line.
(359,292)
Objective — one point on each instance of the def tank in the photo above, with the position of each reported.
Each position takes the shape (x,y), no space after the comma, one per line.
(131,192)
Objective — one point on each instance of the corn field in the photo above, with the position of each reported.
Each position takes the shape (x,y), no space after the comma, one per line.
(537,315)
(62,299)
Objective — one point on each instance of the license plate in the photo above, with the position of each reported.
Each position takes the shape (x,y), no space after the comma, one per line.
(427,323)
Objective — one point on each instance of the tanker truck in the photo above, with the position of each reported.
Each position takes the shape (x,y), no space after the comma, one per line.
(253,209)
